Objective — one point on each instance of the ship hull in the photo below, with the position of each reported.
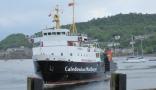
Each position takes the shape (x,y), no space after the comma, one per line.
(62,71)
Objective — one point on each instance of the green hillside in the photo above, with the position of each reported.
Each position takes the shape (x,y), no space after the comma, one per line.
(124,25)
(14,40)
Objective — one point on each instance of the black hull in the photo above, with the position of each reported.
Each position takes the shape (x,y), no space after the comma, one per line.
(61,71)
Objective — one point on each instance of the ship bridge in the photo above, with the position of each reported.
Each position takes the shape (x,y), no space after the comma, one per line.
(55,32)
(55,37)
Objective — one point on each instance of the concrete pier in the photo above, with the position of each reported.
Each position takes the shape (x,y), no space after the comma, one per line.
(34,83)
(118,81)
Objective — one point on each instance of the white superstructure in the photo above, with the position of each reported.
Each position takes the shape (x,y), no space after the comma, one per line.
(60,44)
(65,45)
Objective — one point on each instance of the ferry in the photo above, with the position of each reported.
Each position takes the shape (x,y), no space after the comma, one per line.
(63,55)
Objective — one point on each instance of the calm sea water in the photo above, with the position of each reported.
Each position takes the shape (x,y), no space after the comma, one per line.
(13,76)
(139,75)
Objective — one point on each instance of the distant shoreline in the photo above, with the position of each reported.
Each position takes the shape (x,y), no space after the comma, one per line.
(16,53)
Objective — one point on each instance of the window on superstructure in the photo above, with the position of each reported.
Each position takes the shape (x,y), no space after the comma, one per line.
(37,44)
(49,33)
(52,54)
(58,33)
(97,55)
(68,33)
(61,54)
(53,33)
(45,34)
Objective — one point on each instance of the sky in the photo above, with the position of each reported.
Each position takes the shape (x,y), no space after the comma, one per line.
(30,16)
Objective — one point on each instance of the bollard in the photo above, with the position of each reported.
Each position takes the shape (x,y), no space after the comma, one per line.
(118,81)
(34,83)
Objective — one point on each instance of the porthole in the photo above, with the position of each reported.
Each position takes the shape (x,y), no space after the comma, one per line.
(61,54)
(71,54)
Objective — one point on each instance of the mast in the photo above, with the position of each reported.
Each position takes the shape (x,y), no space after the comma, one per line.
(56,17)
(73,28)
(141,48)
(132,43)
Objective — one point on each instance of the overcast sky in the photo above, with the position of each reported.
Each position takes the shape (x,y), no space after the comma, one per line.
(29,16)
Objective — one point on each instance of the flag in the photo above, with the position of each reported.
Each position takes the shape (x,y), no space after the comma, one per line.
(71,4)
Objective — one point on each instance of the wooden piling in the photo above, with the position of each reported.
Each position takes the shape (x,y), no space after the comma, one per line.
(34,83)
(118,81)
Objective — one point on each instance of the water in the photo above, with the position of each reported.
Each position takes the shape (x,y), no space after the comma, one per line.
(139,75)
(13,76)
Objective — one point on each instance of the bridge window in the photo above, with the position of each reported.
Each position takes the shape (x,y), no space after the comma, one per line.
(49,33)
(63,33)
(45,34)
(53,33)
(58,33)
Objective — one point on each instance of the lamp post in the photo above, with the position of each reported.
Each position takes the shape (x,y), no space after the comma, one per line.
(115,38)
